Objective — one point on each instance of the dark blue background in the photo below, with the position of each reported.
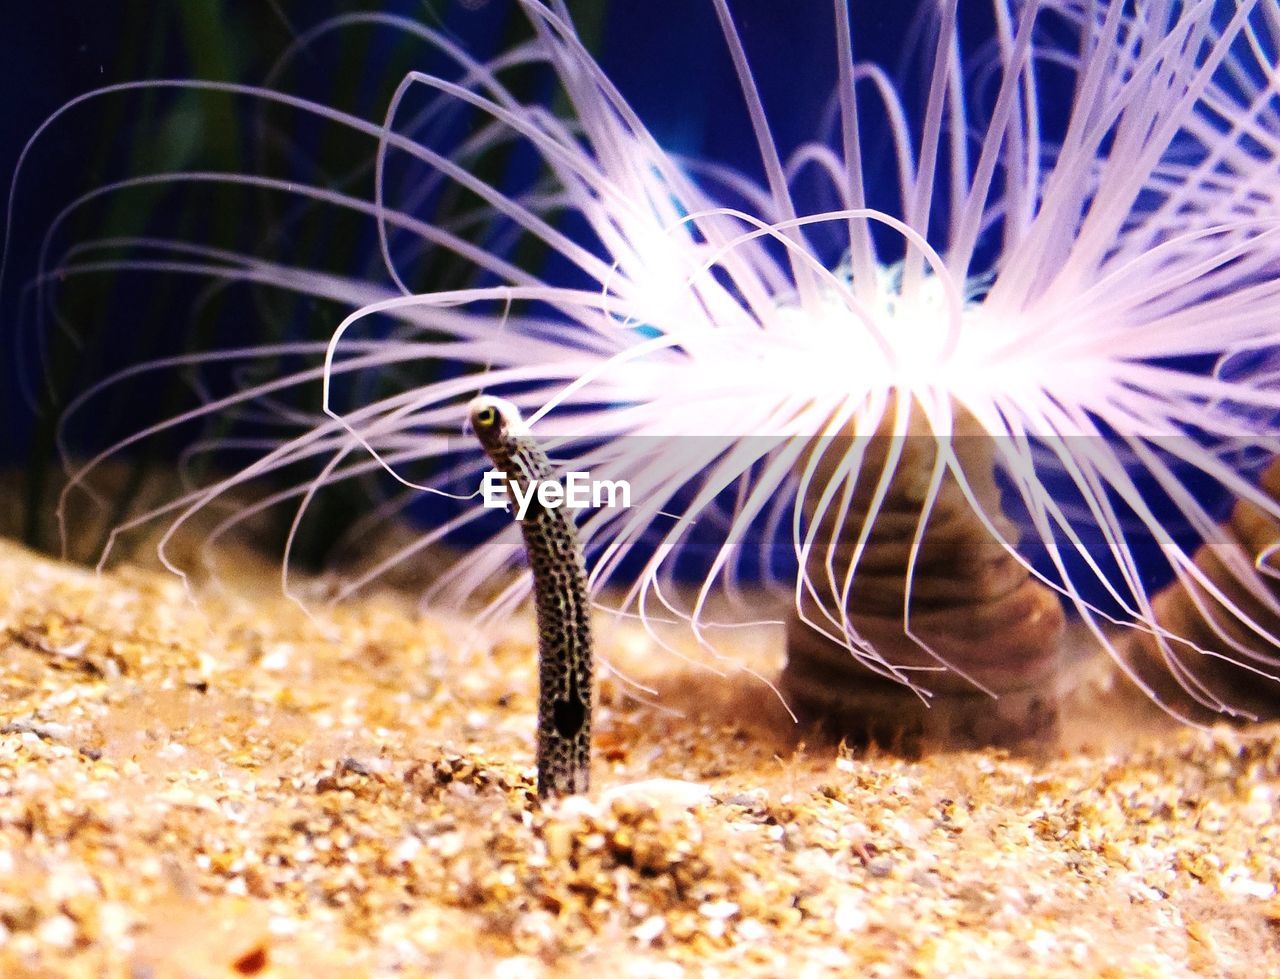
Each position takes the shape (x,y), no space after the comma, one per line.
(668,57)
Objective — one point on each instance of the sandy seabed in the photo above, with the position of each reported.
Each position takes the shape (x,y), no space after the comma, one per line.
(228,785)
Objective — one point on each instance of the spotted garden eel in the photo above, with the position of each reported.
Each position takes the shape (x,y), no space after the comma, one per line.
(560,600)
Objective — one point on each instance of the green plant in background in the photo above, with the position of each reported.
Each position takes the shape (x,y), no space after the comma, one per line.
(102,315)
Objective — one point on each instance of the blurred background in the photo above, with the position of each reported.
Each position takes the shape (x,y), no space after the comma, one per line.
(64,332)
(88,317)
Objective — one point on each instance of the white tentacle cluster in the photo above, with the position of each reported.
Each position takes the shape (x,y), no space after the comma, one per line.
(1068,286)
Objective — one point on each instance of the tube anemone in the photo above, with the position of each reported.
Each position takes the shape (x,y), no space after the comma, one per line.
(992,380)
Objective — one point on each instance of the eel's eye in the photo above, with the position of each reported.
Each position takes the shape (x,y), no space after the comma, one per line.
(486,417)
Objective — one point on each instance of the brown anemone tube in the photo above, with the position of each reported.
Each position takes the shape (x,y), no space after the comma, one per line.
(1199,674)
(972,603)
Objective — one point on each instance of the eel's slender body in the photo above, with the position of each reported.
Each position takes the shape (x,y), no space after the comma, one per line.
(560,599)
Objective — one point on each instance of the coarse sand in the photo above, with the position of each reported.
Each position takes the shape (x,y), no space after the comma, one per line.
(221,783)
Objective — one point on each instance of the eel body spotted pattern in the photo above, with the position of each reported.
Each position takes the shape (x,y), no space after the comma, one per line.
(560,600)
